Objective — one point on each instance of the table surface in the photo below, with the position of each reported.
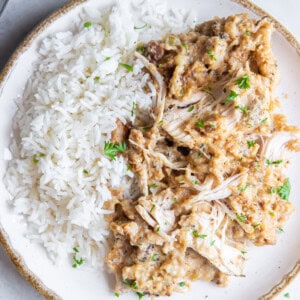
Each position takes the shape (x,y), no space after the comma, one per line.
(16,21)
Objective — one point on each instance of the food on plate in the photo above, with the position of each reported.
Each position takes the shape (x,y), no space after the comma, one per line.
(209,160)
(154,145)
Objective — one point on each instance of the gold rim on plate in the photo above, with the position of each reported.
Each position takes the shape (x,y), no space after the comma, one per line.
(14,256)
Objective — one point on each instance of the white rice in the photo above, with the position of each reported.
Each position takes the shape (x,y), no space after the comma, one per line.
(66,115)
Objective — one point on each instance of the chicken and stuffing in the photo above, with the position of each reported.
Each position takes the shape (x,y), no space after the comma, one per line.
(208,157)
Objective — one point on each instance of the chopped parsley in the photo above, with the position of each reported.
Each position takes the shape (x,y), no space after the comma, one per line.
(130,283)
(275,162)
(111,149)
(280,229)
(133,109)
(197,235)
(140,27)
(186,47)
(153,186)
(243,109)
(158,229)
(243,252)
(251,144)
(191,108)
(243,82)
(141,48)
(128,167)
(241,217)
(152,208)
(182,284)
(96,78)
(247,32)
(284,190)
(76,262)
(155,257)
(107,58)
(255,226)
(85,171)
(272,190)
(117,295)
(211,55)
(175,200)
(212,243)
(272,214)
(87,24)
(35,157)
(200,155)
(160,122)
(231,96)
(140,295)
(244,187)
(257,166)
(194,182)
(286,295)
(126,66)
(199,124)
(263,121)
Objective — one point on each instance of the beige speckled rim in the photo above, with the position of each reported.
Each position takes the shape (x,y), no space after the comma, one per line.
(4,239)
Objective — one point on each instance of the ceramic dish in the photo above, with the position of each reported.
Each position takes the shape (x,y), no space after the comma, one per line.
(266,266)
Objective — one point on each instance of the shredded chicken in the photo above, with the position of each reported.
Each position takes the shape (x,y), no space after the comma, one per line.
(210,168)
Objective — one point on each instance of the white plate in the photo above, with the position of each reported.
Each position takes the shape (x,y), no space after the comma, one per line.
(266,266)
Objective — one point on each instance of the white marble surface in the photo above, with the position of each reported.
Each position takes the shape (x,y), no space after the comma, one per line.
(19,17)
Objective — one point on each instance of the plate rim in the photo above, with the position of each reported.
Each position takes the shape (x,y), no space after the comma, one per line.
(12,253)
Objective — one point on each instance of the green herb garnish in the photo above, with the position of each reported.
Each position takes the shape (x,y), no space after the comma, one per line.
(127,67)
(141,48)
(155,257)
(107,58)
(191,108)
(255,226)
(87,24)
(243,252)
(286,295)
(77,262)
(186,47)
(97,78)
(85,171)
(280,229)
(199,124)
(244,187)
(241,217)
(243,109)
(158,229)
(231,96)
(197,235)
(284,190)
(243,82)
(182,284)
(175,200)
(251,144)
(140,295)
(140,27)
(152,208)
(263,121)
(117,295)
(111,149)
(133,109)
(275,162)
(272,190)
(272,214)
(212,243)
(212,56)
(153,186)
(194,182)
(247,32)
